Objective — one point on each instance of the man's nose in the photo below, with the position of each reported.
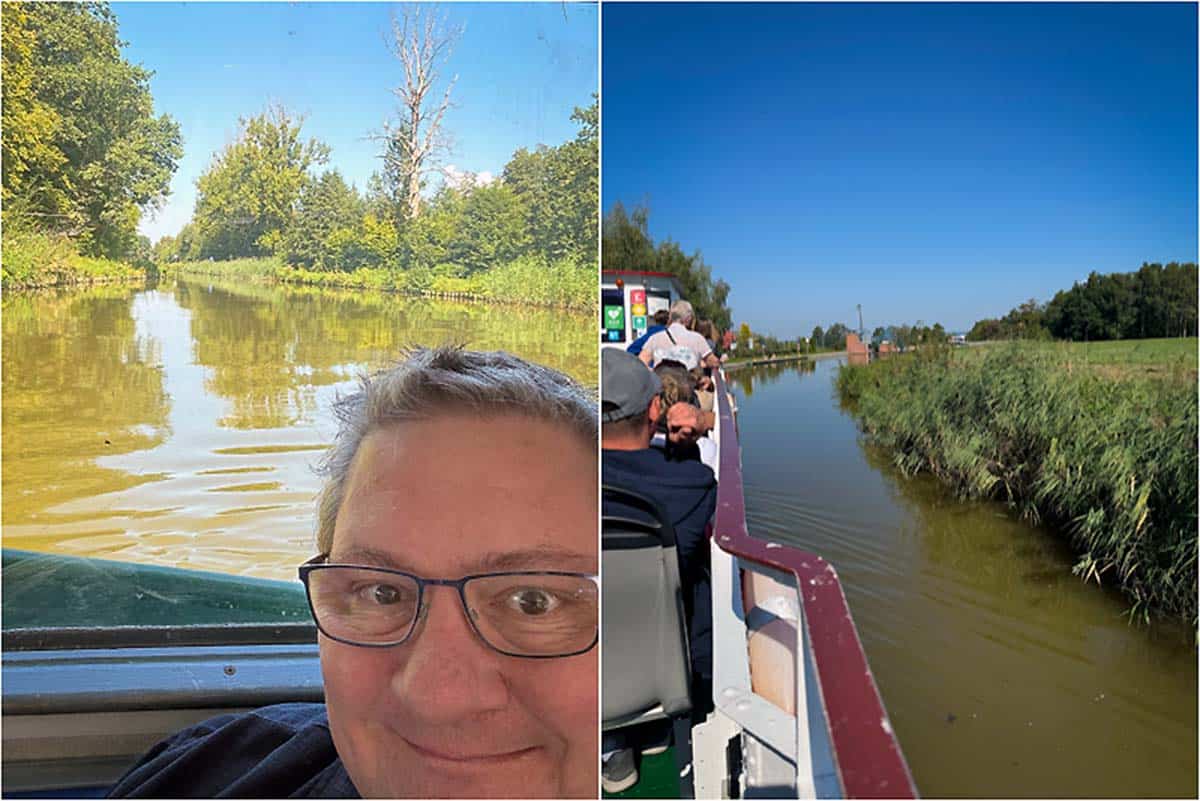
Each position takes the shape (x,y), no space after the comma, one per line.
(449,674)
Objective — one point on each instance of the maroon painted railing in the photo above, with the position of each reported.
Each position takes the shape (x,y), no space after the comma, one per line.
(868,757)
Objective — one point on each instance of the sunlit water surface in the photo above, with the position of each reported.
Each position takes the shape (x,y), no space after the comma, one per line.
(1004,675)
(180,425)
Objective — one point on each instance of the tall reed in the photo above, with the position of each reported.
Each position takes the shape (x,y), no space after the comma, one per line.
(1111,462)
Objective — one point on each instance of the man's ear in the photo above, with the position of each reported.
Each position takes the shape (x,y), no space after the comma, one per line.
(656,410)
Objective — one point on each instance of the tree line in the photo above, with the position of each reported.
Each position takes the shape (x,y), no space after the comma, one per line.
(84,154)
(1156,301)
(627,245)
(262,197)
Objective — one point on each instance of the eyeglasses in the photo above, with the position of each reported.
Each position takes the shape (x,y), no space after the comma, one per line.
(535,614)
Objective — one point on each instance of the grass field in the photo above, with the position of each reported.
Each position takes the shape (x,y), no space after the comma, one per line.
(1127,358)
(1097,440)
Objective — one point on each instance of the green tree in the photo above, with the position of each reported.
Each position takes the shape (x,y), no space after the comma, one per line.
(246,198)
(744,336)
(373,243)
(835,337)
(818,337)
(87,153)
(327,205)
(29,123)
(428,240)
(493,229)
(560,189)
(626,239)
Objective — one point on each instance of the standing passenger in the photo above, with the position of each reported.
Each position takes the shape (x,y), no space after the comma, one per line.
(661,318)
(679,333)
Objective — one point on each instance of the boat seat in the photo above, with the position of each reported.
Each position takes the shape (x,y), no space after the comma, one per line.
(646,670)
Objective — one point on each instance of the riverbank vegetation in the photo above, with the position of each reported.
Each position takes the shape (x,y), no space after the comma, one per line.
(1109,457)
(36,259)
(528,281)
(1154,302)
(83,152)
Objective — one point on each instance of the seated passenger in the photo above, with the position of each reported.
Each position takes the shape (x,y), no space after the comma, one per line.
(687,492)
(456,597)
(679,386)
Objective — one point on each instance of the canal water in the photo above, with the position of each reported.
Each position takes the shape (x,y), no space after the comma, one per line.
(180,425)
(1004,675)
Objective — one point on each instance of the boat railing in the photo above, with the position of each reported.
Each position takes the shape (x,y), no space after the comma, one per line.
(791,684)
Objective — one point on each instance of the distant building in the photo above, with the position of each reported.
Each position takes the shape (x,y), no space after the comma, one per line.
(857,351)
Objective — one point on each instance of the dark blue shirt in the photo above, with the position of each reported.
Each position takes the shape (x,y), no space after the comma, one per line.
(635,347)
(283,751)
(687,493)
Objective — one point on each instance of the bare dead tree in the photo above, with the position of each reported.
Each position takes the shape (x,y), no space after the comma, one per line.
(415,143)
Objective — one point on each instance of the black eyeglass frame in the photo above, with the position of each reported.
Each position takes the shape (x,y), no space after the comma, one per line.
(319,562)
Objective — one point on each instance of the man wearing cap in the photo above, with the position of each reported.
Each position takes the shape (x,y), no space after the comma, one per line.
(687,492)
(679,332)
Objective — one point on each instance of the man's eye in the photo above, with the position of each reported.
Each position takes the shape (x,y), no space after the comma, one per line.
(533,601)
(382,594)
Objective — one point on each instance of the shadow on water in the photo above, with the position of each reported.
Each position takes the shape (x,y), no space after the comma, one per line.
(1003,674)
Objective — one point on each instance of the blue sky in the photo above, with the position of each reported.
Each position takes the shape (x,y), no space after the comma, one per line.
(934,162)
(521,67)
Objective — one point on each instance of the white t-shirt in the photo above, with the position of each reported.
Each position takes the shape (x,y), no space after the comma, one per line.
(689,339)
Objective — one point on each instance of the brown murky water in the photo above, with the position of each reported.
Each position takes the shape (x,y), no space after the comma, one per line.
(179,425)
(1003,674)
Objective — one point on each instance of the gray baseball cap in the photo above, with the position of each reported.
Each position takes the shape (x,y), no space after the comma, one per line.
(626,385)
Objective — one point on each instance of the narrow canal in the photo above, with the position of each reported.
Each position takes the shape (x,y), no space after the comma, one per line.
(1004,675)
(180,425)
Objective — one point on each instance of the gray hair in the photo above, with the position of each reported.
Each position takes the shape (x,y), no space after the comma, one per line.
(430,382)
(682,311)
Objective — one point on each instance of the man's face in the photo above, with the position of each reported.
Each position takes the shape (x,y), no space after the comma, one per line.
(443,715)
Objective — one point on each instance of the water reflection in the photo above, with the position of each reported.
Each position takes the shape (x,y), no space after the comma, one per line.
(1004,675)
(745,378)
(179,425)
(79,385)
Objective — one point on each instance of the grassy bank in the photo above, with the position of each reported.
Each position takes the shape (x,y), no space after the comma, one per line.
(529,281)
(33,260)
(1107,455)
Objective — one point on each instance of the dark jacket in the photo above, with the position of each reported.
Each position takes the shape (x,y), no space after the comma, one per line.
(687,492)
(283,751)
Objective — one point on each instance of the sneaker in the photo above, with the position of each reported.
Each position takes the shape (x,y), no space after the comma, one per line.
(619,772)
